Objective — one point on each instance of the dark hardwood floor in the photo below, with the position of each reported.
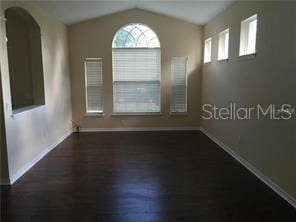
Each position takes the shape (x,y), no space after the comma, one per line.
(141,177)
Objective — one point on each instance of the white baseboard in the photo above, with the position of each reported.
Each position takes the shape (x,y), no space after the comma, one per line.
(133,129)
(291,200)
(29,165)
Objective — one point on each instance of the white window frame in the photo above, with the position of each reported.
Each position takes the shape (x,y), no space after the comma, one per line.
(208,52)
(186,85)
(223,45)
(158,81)
(89,112)
(244,48)
(155,45)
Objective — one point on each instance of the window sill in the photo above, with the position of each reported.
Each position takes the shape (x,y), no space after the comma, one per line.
(207,62)
(94,115)
(223,60)
(25,109)
(137,114)
(248,56)
(178,114)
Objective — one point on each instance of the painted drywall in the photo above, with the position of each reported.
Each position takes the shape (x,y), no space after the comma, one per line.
(93,39)
(4,177)
(30,133)
(268,78)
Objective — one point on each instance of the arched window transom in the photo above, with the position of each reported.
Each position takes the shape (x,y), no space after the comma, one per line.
(135,36)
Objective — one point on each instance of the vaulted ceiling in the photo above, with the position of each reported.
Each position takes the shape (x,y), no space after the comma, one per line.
(194,11)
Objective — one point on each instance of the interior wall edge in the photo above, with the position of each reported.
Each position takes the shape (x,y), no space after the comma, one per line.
(40,127)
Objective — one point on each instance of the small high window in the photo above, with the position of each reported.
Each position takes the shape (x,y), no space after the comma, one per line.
(223,45)
(179,85)
(25,59)
(208,50)
(248,36)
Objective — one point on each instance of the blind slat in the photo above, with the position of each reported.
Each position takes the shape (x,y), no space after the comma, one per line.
(94,86)
(179,85)
(136,80)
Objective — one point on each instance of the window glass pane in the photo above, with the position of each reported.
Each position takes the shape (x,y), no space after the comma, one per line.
(226,49)
(252,36)
(223,44)
(136,32)
(121,39)
(130,41)
(142,42)
(248,35)
(135,36)
(207,50)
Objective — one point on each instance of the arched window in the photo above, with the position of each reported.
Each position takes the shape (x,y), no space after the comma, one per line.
(135,36)
(25,59)
(136,70)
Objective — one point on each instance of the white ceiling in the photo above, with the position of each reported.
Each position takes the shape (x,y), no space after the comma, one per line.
(73,11)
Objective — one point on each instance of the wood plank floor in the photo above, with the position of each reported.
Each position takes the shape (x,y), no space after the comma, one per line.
(141,177)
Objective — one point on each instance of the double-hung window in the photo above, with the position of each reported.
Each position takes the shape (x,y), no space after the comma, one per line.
(136,70)
(94,85)
(208,50)
(179,85)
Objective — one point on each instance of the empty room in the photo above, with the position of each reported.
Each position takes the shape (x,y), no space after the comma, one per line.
(148,111)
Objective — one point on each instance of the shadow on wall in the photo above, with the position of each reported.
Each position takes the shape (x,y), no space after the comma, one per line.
(4,177)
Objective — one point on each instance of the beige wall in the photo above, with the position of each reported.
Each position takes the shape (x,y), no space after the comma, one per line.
(93,38)
(30,133)
(269,78)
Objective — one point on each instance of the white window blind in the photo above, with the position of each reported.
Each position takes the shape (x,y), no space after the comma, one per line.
(94,85)
(248,36)
(136,80)
(179,85)
(223,44)
(208,50)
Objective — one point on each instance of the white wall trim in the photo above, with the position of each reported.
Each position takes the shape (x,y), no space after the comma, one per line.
(291,200)
(29,165)
(133,129)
